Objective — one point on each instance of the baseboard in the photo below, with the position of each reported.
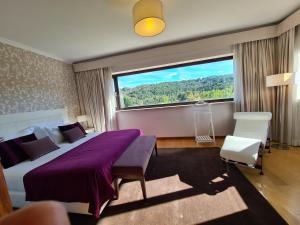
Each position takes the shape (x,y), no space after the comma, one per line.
(186,138)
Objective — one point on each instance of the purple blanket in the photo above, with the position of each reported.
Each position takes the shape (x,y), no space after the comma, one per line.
(82,174)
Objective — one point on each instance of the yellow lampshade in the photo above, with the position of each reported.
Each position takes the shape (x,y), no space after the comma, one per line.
(148,17)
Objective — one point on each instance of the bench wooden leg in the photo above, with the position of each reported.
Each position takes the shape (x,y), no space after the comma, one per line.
(143,185)
(116,184)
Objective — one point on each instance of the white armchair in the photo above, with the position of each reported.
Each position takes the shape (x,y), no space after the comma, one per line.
(249,139)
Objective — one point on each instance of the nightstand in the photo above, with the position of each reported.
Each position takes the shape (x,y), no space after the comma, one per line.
(5,202)
(90,130)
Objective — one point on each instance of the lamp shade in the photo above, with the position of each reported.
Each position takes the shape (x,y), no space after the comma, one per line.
(280,79)
(148,17)
(82,118)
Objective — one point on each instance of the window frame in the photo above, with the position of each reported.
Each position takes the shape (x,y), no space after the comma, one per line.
(117,90)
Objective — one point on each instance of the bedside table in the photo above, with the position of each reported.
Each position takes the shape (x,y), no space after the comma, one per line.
(5,202)
(90,130)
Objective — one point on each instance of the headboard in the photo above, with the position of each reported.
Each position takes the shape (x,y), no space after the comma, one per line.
(13,123)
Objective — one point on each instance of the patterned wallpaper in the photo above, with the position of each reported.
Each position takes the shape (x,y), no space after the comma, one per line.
(31,82)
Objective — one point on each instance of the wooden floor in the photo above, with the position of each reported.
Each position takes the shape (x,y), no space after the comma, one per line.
(280,184)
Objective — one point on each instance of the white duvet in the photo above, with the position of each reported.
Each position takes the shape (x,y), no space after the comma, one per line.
(14,175)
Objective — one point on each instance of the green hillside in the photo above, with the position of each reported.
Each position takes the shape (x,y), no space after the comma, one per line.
(213,87)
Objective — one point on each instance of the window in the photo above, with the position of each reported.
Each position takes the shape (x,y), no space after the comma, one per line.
(210,80)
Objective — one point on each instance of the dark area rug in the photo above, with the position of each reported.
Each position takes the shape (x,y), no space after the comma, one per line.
(188,186)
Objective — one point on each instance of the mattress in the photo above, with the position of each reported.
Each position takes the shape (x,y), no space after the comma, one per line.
(14,175)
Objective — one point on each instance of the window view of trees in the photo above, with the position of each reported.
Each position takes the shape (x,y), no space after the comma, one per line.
(181,84)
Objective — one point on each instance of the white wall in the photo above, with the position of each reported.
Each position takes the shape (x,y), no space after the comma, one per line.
(178,121)
(193,50)
(175,121)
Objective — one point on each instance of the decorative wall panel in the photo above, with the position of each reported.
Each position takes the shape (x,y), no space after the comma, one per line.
(31,82)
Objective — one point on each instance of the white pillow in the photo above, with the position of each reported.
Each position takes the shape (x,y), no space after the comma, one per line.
(39,132)
(20,133)
(50,124)
(55,135)
(38,129)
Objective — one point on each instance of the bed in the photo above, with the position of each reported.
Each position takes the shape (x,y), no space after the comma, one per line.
(25,181)
(14,177)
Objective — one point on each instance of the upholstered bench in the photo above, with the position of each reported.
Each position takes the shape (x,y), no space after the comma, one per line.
(133,163)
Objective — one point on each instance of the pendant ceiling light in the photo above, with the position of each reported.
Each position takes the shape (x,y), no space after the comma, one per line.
(148,17)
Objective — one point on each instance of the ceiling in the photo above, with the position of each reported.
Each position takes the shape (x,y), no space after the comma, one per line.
(75,30)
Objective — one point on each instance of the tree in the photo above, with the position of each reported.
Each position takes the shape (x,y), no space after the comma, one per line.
(182,97)
(212,87)
(165,99)
(127,101)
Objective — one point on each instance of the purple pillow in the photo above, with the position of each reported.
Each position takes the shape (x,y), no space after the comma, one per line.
(36,149)
(26,138)
(70,126)
(11,152)
(80,127)
(66,127)
(73,134)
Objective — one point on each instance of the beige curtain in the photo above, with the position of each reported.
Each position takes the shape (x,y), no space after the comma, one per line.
(96,98)
(283,111)
(296,94)
(253,62)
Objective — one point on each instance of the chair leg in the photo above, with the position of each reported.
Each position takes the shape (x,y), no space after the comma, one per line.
(261,168)
(116,185)
(268,145)
(143,185)
(261,162)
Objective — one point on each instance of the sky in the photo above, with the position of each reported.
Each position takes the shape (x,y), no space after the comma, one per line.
(177,74)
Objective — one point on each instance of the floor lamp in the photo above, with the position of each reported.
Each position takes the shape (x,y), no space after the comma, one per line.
(280,80)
